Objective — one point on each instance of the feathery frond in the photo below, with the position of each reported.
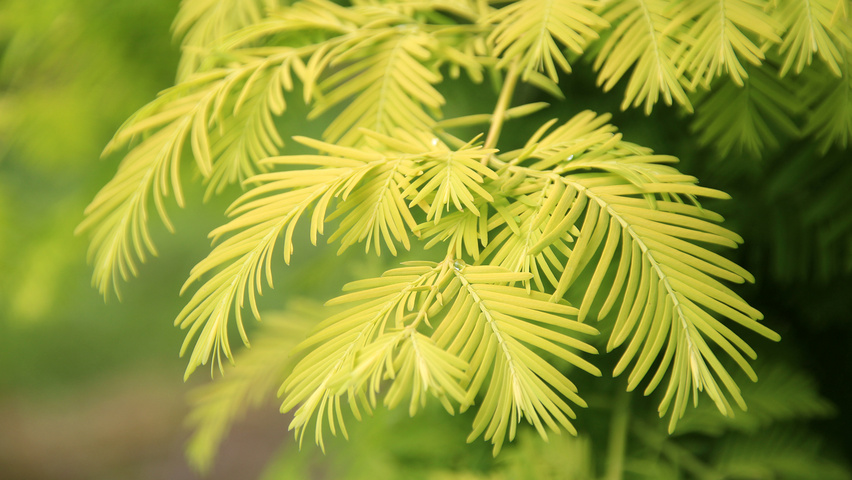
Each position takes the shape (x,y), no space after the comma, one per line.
(809,237)
(527,31)
(644,37)
(723,34)
(780,453)
(522,225)
(808,30)
(752,117)
(376,212)
(249,133)
(352,351)
(483,333)
(264,213)
(492,327)
(385,77)
(455,178)
(631,201)
(183,114)
(830,99)
(201,23)
(542,201)
(118,215)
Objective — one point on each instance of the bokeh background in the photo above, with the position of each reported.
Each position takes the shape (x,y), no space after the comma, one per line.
(92,389)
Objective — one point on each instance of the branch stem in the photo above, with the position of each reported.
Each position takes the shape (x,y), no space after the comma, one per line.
(503,101)
(618,429)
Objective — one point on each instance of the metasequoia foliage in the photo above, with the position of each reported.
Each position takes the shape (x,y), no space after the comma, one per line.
(483,322)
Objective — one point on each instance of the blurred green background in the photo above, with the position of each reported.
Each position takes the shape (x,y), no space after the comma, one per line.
(88,389)
(92,390)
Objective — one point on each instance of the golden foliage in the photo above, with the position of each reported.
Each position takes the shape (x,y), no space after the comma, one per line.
(577,211)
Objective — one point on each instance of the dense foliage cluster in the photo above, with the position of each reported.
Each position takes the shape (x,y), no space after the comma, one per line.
(525,259)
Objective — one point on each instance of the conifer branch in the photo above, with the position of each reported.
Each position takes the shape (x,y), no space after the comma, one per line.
(577,212)
(503,102)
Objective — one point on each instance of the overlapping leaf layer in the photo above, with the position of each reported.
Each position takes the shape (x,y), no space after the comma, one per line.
(483,321)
